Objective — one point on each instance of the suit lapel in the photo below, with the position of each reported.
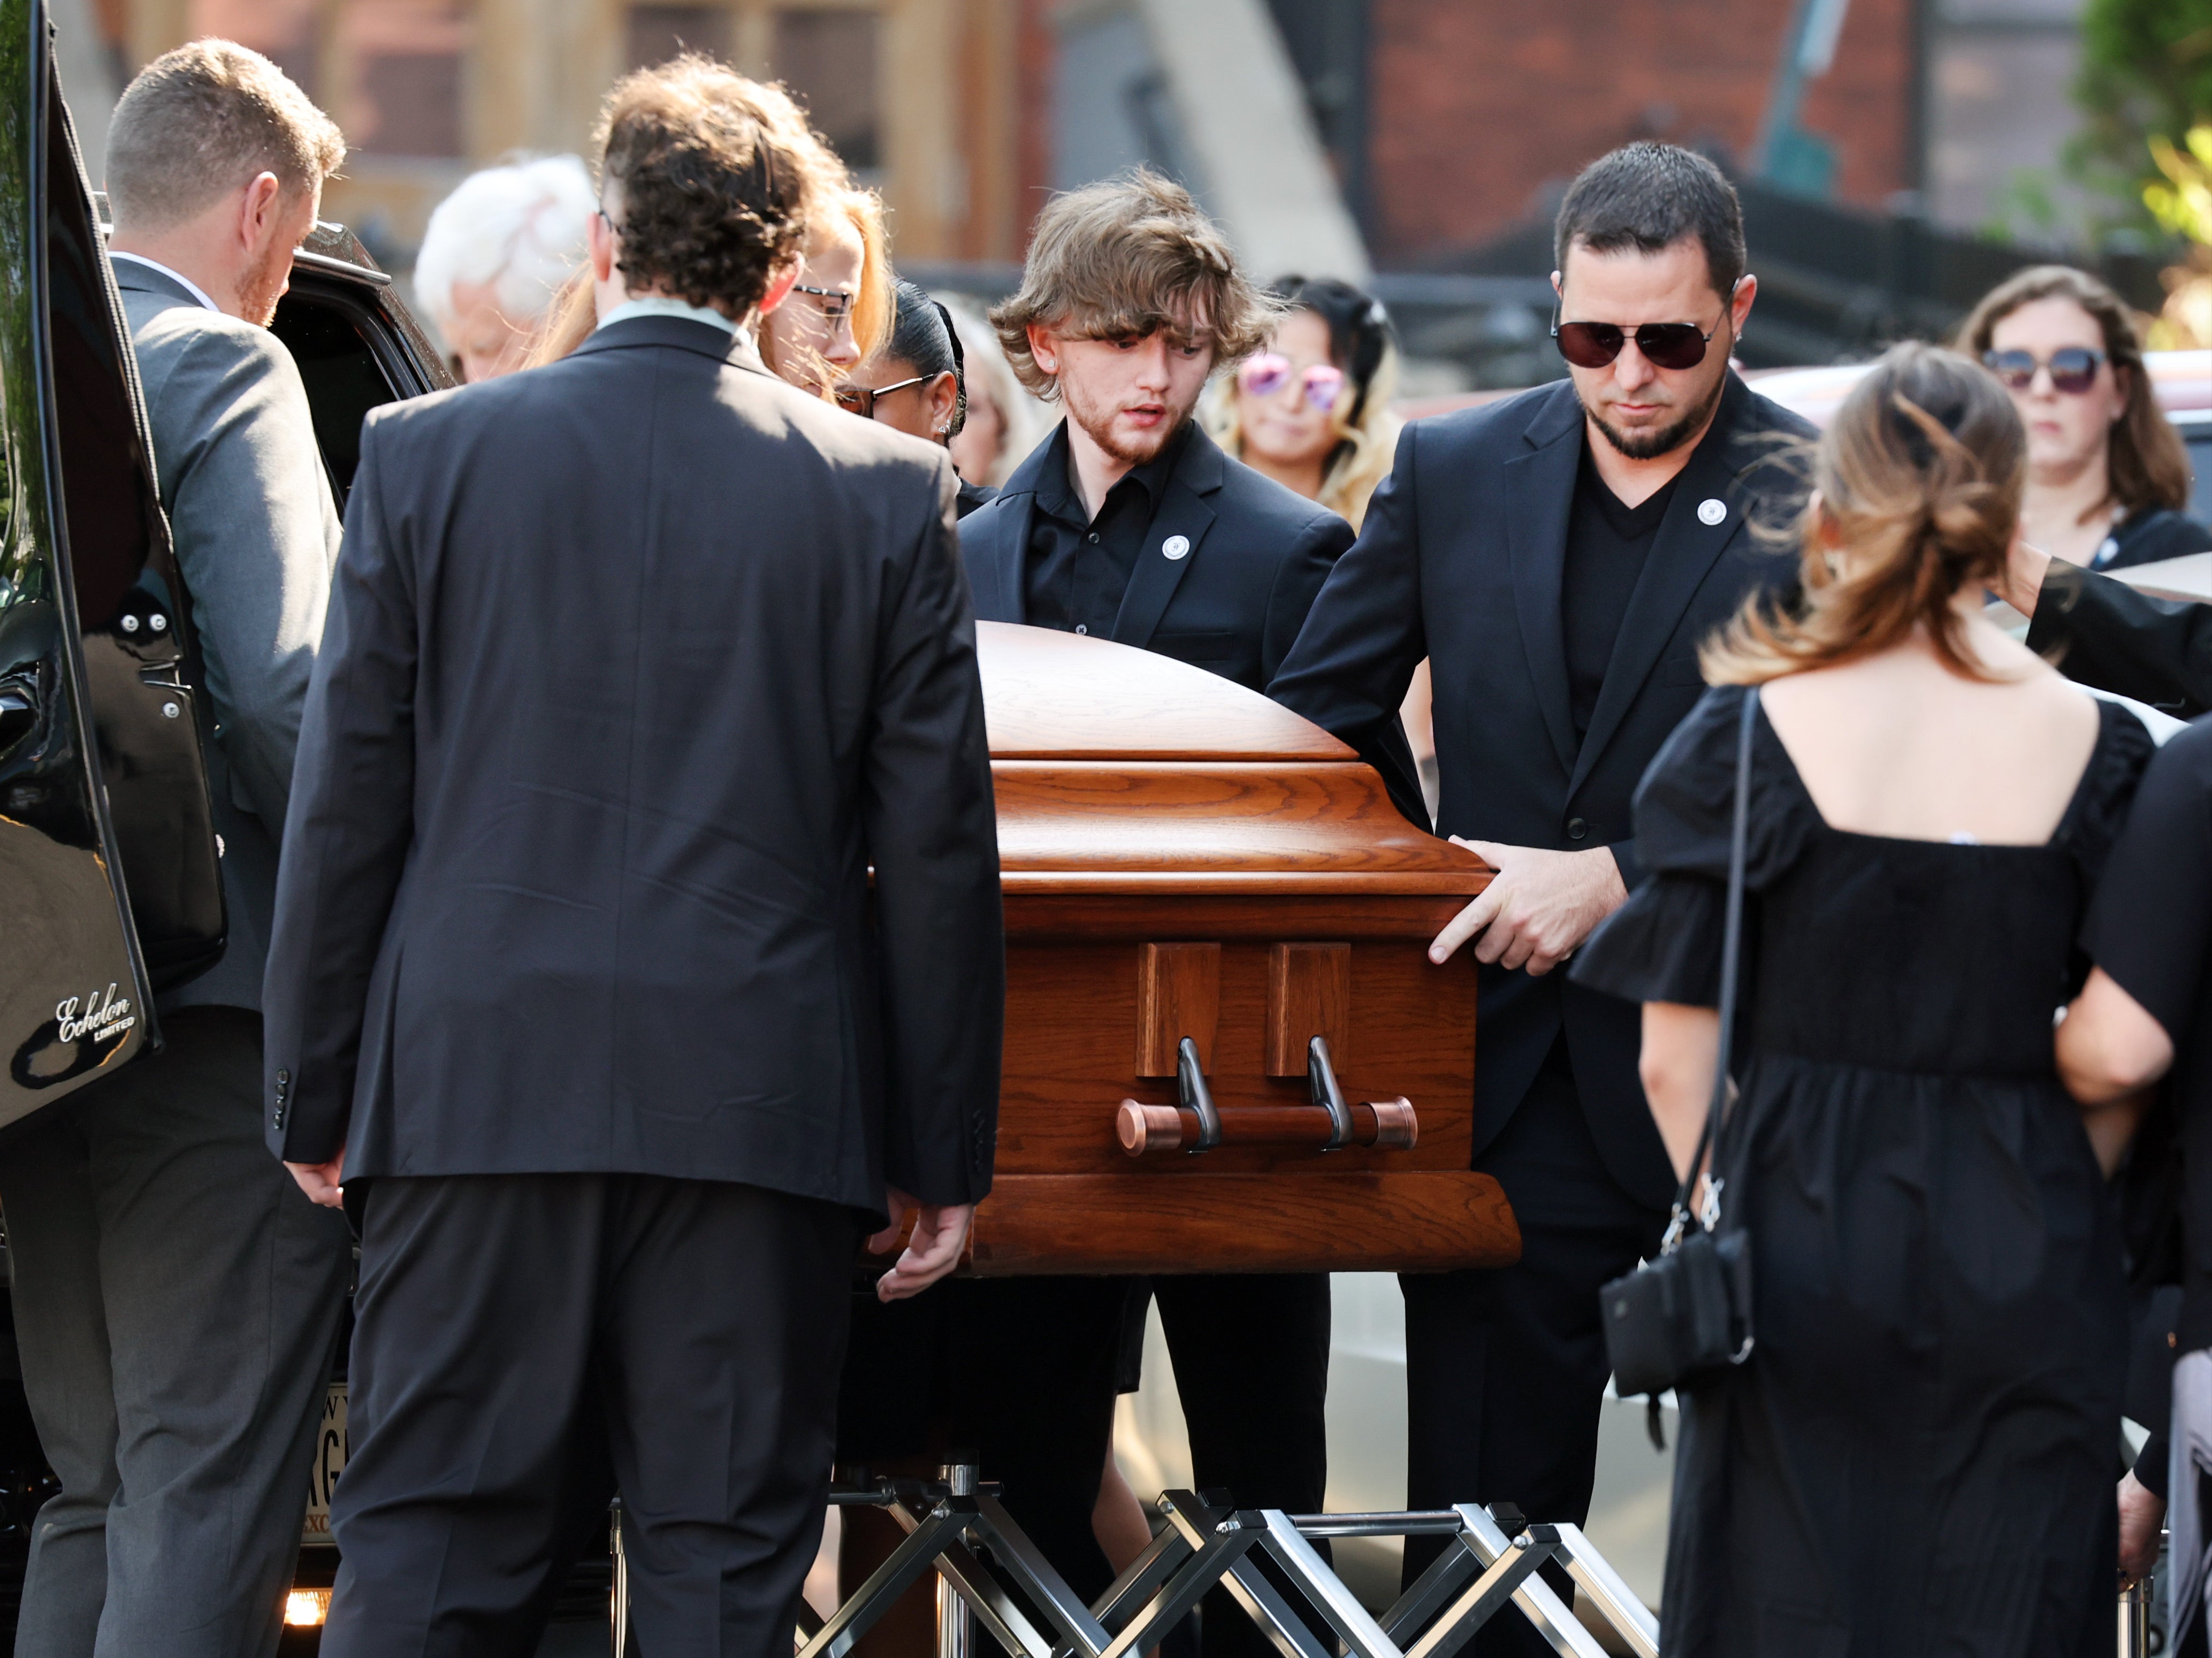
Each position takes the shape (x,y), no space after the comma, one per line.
(1682,555)
(1539,493)
(1183,515)
(1015,520)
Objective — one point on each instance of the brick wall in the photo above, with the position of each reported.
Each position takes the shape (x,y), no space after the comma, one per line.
(1481,107)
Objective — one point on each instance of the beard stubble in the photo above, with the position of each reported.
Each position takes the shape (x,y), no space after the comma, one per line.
(1640,445)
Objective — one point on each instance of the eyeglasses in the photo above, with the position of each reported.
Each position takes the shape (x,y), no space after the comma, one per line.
(2073,368)
(861,399)
(837,304)
(1270,372)
(1664,344)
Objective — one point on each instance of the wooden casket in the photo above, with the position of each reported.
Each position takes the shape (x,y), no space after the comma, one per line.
(1199,884)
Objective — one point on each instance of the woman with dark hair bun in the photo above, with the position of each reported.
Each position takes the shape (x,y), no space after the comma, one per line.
(1916,1455)
(917,384)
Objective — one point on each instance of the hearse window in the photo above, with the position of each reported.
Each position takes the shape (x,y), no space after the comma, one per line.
(343,380)
(107,487)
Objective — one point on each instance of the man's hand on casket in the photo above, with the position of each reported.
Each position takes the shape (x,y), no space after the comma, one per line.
(1539,908)
(940,1234)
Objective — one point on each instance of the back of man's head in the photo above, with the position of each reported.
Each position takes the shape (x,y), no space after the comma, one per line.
(1644,197)
(204,120)
(711,178)
(1126,260)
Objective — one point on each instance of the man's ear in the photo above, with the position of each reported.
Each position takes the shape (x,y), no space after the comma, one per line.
(779,285)
(1747,290)
(600,244)
(257,209)
(1044,350)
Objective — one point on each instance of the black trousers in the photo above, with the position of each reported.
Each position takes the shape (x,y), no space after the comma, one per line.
(1505,1368)
(704,1322)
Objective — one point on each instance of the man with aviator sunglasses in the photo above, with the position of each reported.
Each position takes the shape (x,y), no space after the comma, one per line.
(1557,557)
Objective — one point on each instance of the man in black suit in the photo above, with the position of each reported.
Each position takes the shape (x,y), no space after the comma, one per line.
(636,666)
(1130,524)
(1557,557)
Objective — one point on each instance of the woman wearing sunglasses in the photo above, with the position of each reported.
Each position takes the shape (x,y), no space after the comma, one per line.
(2107,474)
(917,384)
(1312,410)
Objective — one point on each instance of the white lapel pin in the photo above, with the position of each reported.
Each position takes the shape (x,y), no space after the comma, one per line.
(1176,547)
(1711,510)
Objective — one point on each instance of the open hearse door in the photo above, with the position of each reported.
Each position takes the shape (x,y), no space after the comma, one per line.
(110,886)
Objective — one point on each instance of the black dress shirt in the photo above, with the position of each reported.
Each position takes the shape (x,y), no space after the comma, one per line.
(1607,540)
(1079,566)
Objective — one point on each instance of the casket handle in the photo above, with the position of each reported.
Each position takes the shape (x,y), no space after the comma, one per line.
(1197,1097)
(1320,1080)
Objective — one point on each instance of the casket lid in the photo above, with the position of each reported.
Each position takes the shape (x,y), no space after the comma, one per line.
(1053,696)
(1118,770)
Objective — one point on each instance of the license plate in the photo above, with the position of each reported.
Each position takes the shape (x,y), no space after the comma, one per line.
(330,1460)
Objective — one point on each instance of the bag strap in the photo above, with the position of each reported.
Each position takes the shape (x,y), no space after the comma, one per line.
(1708,1137)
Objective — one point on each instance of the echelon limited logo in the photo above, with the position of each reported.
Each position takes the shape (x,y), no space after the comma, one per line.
(103,1015)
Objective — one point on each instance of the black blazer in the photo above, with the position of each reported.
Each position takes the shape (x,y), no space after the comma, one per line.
(635,665)
(2103,633)
(1461,561)
(1232,605)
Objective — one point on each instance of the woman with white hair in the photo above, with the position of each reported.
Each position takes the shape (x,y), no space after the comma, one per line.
(496,251)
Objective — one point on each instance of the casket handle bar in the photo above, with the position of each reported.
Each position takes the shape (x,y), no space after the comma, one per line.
(1196,1124)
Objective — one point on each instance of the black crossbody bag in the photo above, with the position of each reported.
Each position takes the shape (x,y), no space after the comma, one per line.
(1689,1311)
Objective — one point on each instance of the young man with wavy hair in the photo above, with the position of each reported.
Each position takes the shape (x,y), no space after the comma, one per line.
(638,664)
(1130,524)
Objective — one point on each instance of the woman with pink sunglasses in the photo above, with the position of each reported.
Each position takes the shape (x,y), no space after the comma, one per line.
(1312,410)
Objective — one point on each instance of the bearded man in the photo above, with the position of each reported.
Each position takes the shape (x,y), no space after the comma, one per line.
(1557,557)
(176,1296)
(1130,525)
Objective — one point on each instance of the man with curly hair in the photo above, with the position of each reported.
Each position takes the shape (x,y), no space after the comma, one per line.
(1130,524)
(637,666)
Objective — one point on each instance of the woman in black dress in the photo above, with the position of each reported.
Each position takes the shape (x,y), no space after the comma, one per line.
(1917,1456)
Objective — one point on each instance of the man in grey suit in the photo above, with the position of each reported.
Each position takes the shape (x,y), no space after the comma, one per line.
(176,1297)
(638,945)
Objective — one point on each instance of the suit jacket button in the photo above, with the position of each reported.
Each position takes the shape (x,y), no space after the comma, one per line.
(277,1117)
(1577,829)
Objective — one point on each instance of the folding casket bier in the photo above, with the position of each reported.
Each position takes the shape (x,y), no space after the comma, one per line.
(1199,884)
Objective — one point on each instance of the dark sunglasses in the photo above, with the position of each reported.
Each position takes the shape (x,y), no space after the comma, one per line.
(861,399)
(1664,344)
(2073,369)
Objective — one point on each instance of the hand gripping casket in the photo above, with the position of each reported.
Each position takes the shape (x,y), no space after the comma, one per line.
(1226,1049)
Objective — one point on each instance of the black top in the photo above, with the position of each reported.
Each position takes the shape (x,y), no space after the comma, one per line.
(1080,566)
(971,496)
(726,907)
(1226,570)
(1607,540)
(1941,1322)
(2147,537)
(2151,929)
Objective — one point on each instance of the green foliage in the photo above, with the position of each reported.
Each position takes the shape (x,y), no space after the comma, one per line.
(2146,73)
(2182,199)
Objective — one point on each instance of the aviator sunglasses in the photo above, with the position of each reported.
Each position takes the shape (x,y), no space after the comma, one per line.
(1270,372)
(2073,368)
(1664,344)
